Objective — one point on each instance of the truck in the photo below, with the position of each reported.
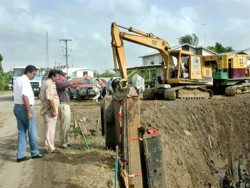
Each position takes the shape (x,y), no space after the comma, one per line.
(18,71)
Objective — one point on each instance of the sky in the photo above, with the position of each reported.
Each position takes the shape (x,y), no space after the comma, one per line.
(24,23)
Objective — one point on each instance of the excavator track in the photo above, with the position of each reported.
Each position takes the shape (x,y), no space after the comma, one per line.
(237,89)
(179,92)
(185,92)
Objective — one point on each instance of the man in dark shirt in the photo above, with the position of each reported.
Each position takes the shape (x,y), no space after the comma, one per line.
(64,112)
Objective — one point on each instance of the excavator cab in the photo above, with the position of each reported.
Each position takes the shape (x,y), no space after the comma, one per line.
(186,68)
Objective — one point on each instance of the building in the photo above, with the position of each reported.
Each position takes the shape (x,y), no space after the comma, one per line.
(82,72)
(156,59)
(71,71)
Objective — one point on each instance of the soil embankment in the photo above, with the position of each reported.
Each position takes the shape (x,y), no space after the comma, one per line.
(206,142)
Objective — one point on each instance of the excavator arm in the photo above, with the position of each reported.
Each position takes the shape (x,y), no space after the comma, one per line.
(138,37)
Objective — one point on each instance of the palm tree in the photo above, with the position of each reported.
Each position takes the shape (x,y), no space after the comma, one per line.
(189,39)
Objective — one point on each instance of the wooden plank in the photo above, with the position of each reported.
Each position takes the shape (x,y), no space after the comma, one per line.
(134,159)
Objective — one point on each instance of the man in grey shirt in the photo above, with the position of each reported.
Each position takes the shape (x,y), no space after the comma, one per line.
(64,112)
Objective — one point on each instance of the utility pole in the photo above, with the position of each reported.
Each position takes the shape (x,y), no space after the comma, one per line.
(204,35)
(47,50)
(66,49)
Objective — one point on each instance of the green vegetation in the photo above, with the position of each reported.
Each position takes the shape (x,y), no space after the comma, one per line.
(189,39)
(106,73)
(4,92)
(218,48)
(5,78)
(194,40)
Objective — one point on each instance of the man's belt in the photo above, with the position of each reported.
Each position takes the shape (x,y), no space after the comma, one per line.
(23,105)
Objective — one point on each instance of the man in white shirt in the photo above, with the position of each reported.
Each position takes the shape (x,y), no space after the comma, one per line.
(25,114)
(139,83)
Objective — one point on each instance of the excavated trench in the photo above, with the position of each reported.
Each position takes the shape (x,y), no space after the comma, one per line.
(206,143)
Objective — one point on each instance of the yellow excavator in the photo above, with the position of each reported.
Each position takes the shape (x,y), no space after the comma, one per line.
(185,75)
(141,159)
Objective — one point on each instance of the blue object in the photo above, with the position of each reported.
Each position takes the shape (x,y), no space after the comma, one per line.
(25,125)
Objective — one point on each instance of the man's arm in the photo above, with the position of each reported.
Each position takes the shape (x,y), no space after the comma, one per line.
(27,106)
(77,80)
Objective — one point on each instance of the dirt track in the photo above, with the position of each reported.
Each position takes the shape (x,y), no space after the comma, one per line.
(76,167)
(204,141)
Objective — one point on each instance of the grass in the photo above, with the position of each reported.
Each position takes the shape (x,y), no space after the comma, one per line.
(4,92)
(97,163)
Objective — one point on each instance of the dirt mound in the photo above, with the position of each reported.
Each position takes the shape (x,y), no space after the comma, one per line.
(206,142)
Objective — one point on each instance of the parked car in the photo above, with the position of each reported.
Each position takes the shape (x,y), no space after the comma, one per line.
(82,90)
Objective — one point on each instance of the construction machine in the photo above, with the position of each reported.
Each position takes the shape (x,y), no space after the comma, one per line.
(141,161)
(185,74)
(231,73)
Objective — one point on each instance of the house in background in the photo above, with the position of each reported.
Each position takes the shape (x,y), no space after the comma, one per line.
(82,72)
(78,72)
(156,59)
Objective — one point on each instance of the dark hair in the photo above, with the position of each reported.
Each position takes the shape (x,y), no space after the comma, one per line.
(60,72)
(30,68)
(52,73)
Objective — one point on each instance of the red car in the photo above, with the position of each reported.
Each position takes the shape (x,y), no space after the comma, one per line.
(82,90)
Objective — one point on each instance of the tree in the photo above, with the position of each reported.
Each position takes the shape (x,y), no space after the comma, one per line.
(218,48)
(1,67)
(106,73)
(189,39)
(5,78)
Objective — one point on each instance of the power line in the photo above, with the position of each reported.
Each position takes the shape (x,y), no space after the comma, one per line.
(204,35)
(20,32)
(25,33)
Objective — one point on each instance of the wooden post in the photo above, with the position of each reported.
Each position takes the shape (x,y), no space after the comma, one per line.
(134,158)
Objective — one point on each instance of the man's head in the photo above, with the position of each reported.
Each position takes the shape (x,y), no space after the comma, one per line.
(30,71)
(61,74)
(53,75)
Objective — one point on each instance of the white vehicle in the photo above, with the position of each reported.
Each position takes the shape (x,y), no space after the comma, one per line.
(82,72)
(35,83)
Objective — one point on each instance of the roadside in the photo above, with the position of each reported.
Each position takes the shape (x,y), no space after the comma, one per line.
(76,167)
(12,174)
(5,92)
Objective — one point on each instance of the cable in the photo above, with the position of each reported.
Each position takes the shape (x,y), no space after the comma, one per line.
(25,33)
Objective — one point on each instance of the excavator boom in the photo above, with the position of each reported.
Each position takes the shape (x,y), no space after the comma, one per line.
(139,37)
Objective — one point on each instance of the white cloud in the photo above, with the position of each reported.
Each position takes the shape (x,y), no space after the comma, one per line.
(23,25)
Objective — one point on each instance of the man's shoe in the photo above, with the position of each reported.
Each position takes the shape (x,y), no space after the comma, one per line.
(22,159)
(37,156)
(55,151)
(65,147)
